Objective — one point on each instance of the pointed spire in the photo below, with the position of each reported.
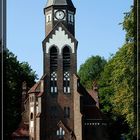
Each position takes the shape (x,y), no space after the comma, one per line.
(59,3)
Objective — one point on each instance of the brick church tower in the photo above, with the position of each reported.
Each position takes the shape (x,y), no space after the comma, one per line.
(59,52)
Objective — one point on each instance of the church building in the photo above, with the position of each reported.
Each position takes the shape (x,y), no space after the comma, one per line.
(58,107)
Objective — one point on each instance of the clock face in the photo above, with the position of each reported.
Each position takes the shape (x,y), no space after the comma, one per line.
(60,14)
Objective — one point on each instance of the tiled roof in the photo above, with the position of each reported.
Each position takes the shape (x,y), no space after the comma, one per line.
(39,94)
(23,130)
(92,93)
(37,88)
(34,87)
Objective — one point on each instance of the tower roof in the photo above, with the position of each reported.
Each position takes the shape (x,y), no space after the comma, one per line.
(59,3)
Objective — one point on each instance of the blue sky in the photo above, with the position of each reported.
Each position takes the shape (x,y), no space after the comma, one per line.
(97,29)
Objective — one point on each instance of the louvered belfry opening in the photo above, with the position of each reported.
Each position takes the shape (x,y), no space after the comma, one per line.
(66,70)
(53,70)
(53,58)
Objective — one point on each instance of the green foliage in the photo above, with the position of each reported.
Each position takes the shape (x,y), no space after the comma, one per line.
(129,26)
(118,77)
(123,82)
(90,70)
(105,88)
(14,74)
(117,86)
(117,82)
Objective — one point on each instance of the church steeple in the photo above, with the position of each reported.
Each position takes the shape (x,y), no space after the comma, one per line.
(60,65)
(59,10)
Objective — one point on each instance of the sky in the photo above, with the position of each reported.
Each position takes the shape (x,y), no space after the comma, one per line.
(97,29)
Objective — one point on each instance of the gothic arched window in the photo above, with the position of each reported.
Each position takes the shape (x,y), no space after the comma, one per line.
(66,70)
(53,70)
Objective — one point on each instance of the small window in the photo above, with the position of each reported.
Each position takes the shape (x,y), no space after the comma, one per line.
(66,82)
(49,18)
(70,18)
(30,99)
(53,83)
(37,109)
(66,112)
(31,116)
(66,58)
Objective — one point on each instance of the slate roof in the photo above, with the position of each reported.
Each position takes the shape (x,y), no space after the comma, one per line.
(59,2)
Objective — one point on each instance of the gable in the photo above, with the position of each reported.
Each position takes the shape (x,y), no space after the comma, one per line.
(60,39)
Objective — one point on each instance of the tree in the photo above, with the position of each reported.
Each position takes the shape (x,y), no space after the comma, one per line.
(129,26)
(123,82)
(117,83)
(132,29)
(117,86)
(14,74)
(106,88)
(91,70)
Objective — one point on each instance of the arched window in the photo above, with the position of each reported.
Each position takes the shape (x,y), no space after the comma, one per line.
(53,58)
(53,70)
(31,116)
(66,70)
